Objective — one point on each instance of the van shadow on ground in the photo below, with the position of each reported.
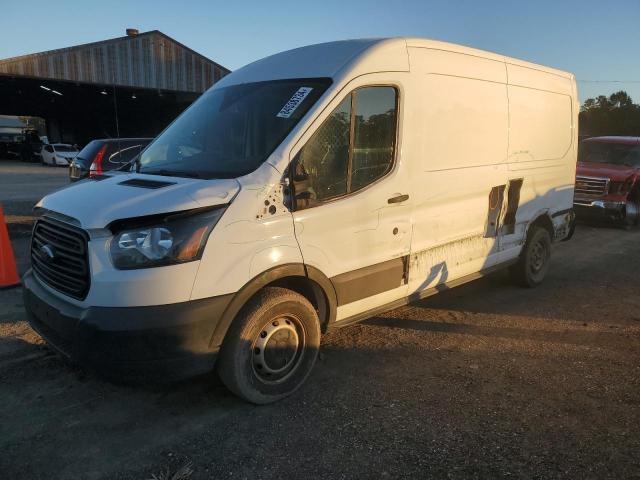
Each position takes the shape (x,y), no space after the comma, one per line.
(596,260)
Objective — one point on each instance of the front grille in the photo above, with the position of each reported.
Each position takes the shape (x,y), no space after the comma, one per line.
(582,202)
(592,186)
(59,257)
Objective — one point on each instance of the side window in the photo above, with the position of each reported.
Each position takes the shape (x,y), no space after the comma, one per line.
(375,135)
(322,164)
(352,148)
(49,148)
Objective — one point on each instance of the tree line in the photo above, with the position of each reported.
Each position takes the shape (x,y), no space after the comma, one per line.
(612,115)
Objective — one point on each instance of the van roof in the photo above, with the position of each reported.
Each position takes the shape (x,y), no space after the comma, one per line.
(452,47)
(355,57)
(323,60)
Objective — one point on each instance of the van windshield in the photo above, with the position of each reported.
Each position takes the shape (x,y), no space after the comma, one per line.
(230,131)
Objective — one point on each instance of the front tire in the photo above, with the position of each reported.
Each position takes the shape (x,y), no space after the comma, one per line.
(631,215)
(534,260)
(271,346)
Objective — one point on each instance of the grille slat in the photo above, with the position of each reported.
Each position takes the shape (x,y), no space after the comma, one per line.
(57,282)
(66,260)
(62,269)
(591,186)
(61,238)
(68,270)
(46,237)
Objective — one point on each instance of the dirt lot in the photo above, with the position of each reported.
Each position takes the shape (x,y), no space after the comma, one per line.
(487,380)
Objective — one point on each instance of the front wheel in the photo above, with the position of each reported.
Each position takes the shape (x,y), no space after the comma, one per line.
(534,260)
(271,346)
(631,214)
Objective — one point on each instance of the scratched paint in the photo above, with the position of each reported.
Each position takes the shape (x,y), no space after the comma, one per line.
(272,201)
(428,267)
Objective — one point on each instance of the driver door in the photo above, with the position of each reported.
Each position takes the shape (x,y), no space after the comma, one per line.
(351,203)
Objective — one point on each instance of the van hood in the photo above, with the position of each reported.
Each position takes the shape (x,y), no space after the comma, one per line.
(616,173)
(97,203)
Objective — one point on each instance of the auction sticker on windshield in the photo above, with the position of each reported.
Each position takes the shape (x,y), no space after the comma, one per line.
(293,102)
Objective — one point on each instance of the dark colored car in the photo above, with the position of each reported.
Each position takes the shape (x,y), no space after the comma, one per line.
(25,145)
(100,156)
(31,147)
(608,179)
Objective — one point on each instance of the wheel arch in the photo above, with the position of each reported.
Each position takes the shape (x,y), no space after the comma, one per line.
(308,281)
(542,220)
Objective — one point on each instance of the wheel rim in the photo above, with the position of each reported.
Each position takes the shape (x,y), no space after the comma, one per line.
(277,349)
(538,257)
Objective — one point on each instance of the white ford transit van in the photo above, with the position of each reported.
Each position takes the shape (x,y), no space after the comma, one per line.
(305,191)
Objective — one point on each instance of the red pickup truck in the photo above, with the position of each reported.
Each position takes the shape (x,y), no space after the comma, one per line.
(608,179)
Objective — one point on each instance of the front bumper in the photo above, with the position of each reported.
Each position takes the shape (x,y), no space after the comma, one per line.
(154,343)
(600,210)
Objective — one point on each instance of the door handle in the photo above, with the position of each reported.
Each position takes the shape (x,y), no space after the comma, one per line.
(398,199)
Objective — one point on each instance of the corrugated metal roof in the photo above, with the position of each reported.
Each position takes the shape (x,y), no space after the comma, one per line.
(147,60)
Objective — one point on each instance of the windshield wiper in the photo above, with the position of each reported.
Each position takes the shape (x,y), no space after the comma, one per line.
(171,173)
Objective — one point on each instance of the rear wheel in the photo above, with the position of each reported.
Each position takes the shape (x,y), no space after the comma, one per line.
(534,260)
(271,347)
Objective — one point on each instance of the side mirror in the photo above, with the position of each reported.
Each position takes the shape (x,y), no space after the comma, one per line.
(299,195)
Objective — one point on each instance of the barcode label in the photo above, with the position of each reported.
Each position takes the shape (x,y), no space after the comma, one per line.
(293,102)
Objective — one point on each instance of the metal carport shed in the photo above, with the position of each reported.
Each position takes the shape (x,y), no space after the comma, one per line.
(130,86)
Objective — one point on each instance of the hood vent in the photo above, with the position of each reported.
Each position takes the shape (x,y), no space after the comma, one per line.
(143,183)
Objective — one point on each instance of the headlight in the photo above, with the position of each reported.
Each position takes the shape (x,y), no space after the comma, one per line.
(162,240)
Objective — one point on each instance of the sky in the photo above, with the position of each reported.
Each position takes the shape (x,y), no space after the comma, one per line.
(598,41)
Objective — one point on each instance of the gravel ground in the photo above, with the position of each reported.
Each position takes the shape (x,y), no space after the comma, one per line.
(486,380)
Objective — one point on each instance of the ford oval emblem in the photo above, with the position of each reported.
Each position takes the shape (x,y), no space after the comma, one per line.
(48,253)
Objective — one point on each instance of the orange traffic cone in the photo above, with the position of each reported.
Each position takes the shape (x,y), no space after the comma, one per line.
(8,271)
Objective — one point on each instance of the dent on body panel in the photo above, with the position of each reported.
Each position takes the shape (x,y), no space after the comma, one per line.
(258,235)
(563,225)
(273,217)
(271,200)
(273,256)
(266,209)
(512,226)
(433,266)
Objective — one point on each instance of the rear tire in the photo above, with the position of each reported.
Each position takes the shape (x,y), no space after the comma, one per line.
(271,347)
(534,260)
